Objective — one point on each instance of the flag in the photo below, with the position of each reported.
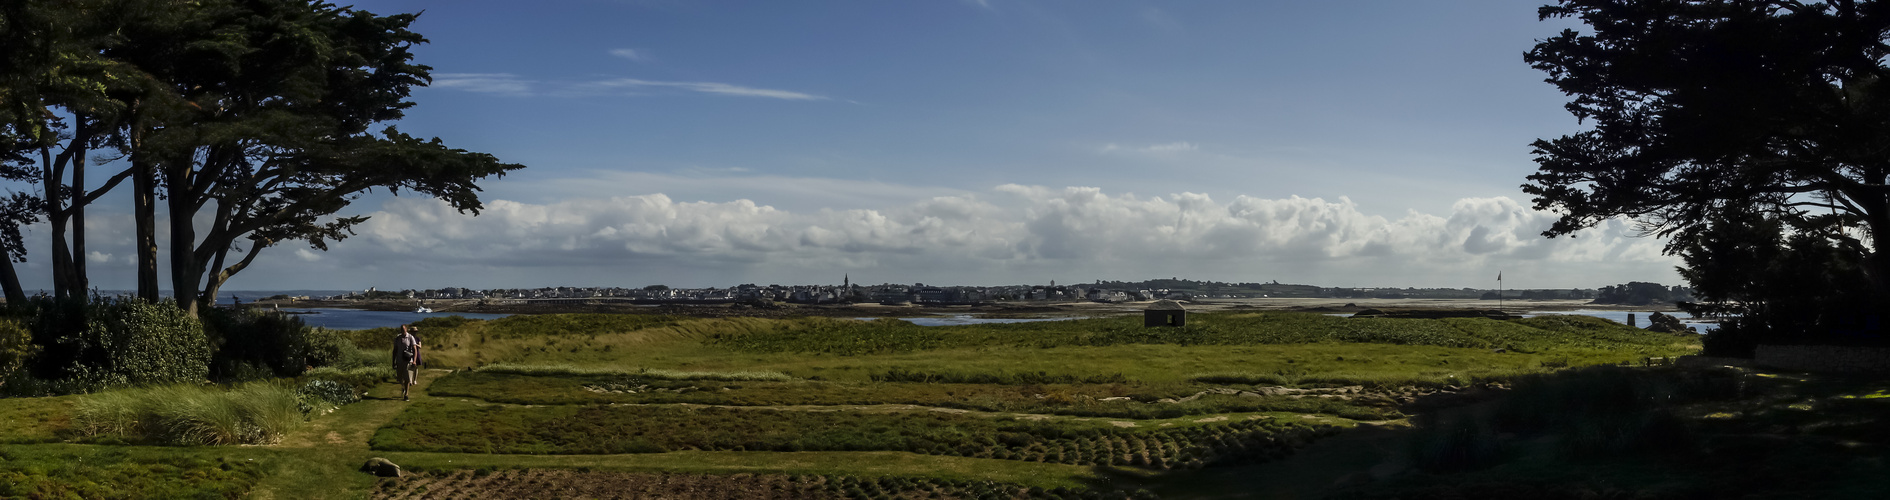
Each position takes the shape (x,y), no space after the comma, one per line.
(1499,276)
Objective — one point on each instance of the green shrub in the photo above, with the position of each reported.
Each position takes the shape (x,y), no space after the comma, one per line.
(327,392)
(16,346)
(276,342)
(333,348)
(151,343)
(85,346)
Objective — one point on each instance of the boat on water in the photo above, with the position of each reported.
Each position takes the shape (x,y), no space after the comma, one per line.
(420,308)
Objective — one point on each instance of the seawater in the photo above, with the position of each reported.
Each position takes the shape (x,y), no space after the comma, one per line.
(1640,317)
(356,319)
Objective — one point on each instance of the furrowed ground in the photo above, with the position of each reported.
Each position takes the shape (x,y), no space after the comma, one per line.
(823,407)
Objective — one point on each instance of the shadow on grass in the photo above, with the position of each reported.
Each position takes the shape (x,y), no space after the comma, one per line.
(1604,432)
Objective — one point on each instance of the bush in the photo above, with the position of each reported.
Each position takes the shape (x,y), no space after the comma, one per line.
(324,394)
(154,343)
(250,341)
(332,348)
(84,346)
(16,346)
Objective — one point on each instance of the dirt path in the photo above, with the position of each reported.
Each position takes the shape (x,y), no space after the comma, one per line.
(322,456)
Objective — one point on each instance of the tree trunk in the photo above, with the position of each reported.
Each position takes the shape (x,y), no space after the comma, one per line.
(10,281)
(185,269)
(80,284)
(144,210)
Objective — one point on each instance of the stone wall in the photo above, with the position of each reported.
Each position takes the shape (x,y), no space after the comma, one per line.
(1823,358)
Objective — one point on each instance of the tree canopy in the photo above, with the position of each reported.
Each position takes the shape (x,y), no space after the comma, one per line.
(1710,116)
(265,118)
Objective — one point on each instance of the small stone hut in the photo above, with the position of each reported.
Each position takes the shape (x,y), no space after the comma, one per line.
(1165,313)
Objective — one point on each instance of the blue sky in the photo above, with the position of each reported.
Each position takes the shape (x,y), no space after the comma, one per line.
(696,143)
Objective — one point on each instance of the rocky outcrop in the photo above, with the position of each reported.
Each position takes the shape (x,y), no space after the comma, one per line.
(1666,323)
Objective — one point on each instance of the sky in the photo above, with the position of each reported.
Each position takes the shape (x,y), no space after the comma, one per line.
(967,142)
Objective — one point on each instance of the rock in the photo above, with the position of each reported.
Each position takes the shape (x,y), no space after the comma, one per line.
(381,467)
(1665,323)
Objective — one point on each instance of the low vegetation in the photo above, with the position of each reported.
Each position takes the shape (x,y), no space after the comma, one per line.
(32,472)
(508,484)
(605,429)
(256,413)
(886,409)
(1114,400)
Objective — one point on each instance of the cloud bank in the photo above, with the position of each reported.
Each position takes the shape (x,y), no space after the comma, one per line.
(1010,234)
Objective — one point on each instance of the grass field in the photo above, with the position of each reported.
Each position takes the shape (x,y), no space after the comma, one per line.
(1090,408)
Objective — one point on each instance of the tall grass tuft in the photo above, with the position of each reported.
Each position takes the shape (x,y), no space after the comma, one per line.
(568,370)
(257,413)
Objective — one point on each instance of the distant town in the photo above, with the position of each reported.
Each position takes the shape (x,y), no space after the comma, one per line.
(920,293)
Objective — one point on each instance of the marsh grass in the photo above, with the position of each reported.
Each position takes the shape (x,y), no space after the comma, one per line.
(255,413)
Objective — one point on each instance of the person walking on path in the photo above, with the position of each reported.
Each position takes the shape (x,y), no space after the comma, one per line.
(406,359)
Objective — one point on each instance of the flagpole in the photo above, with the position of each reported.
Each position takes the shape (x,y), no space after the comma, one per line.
(1499,290)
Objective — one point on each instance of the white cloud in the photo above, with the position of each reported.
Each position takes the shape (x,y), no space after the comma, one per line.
(490,83)
(306,255)
(98,257)
(507,83)
(631,54)
(1170,147)
(991,237)
(704,87)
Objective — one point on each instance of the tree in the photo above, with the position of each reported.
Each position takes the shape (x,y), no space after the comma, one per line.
(275,139)
(57,106)
(1709,116)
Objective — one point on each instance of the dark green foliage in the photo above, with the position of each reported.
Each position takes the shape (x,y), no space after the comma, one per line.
(112,474)
(598,429)
(331,348)
(1778,289)
(152,343)
(16,346)
(112,341)
(1749,133)
(273,344)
